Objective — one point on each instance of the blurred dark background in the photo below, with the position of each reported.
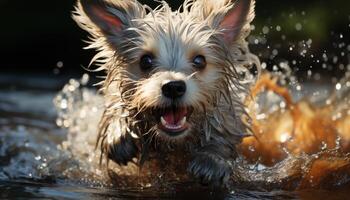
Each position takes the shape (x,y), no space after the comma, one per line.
(39,37)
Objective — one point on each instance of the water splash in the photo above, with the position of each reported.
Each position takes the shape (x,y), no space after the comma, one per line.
(79,110)
(301,145)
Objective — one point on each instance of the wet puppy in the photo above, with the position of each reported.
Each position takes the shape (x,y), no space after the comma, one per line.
(172,79)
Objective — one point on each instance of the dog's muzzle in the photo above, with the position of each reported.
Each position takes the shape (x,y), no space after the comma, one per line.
(173,119)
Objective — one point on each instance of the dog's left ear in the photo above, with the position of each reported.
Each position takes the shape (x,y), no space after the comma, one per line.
(236,18)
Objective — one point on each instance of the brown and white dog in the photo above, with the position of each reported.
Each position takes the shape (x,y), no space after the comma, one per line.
(172,79)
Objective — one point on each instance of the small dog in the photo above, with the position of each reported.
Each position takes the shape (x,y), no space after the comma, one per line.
(172,80)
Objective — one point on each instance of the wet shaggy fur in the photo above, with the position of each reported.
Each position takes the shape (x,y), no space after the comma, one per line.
(124,30)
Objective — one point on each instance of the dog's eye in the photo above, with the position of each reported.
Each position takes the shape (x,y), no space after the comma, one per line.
(146,62)
(199,62)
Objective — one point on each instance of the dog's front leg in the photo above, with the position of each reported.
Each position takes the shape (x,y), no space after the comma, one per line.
(212,163)
(123,149)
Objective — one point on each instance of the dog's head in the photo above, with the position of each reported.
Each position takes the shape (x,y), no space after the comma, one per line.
(172,69)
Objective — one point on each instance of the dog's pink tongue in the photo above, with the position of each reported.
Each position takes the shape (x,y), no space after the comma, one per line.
(173,117)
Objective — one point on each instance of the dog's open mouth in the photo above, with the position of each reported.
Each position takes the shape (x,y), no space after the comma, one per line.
(174,120)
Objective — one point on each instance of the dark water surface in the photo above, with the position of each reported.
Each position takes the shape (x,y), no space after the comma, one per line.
(29,189)
(24,189)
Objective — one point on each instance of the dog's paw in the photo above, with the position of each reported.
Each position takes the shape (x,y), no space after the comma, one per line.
(123,150)
(210,169)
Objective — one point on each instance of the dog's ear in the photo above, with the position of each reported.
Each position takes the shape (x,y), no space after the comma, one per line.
(109,17)
(232,17)
(236,18)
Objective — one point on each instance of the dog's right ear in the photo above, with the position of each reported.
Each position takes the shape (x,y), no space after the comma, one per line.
(109,17)
(232,17)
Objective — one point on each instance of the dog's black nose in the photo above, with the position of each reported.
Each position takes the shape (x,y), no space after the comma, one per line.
(174,89)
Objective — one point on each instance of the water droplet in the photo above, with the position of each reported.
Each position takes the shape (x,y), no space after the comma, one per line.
(335,59)
(309,73)
(348,84)
(251,148)
(64,104)
(282,104)
(261,116)
(309,42)
(59,64)
(298,87)
(284,137)
(59,122)
(338,86)
(265,30)
(148,185)
(274,68)
(324,56)
(275,52)
(298,26)
(303,52)
(338,143)
(278,28)
(85,79)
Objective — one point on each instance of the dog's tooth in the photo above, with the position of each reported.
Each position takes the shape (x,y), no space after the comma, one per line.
(162,120)
(183,121)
